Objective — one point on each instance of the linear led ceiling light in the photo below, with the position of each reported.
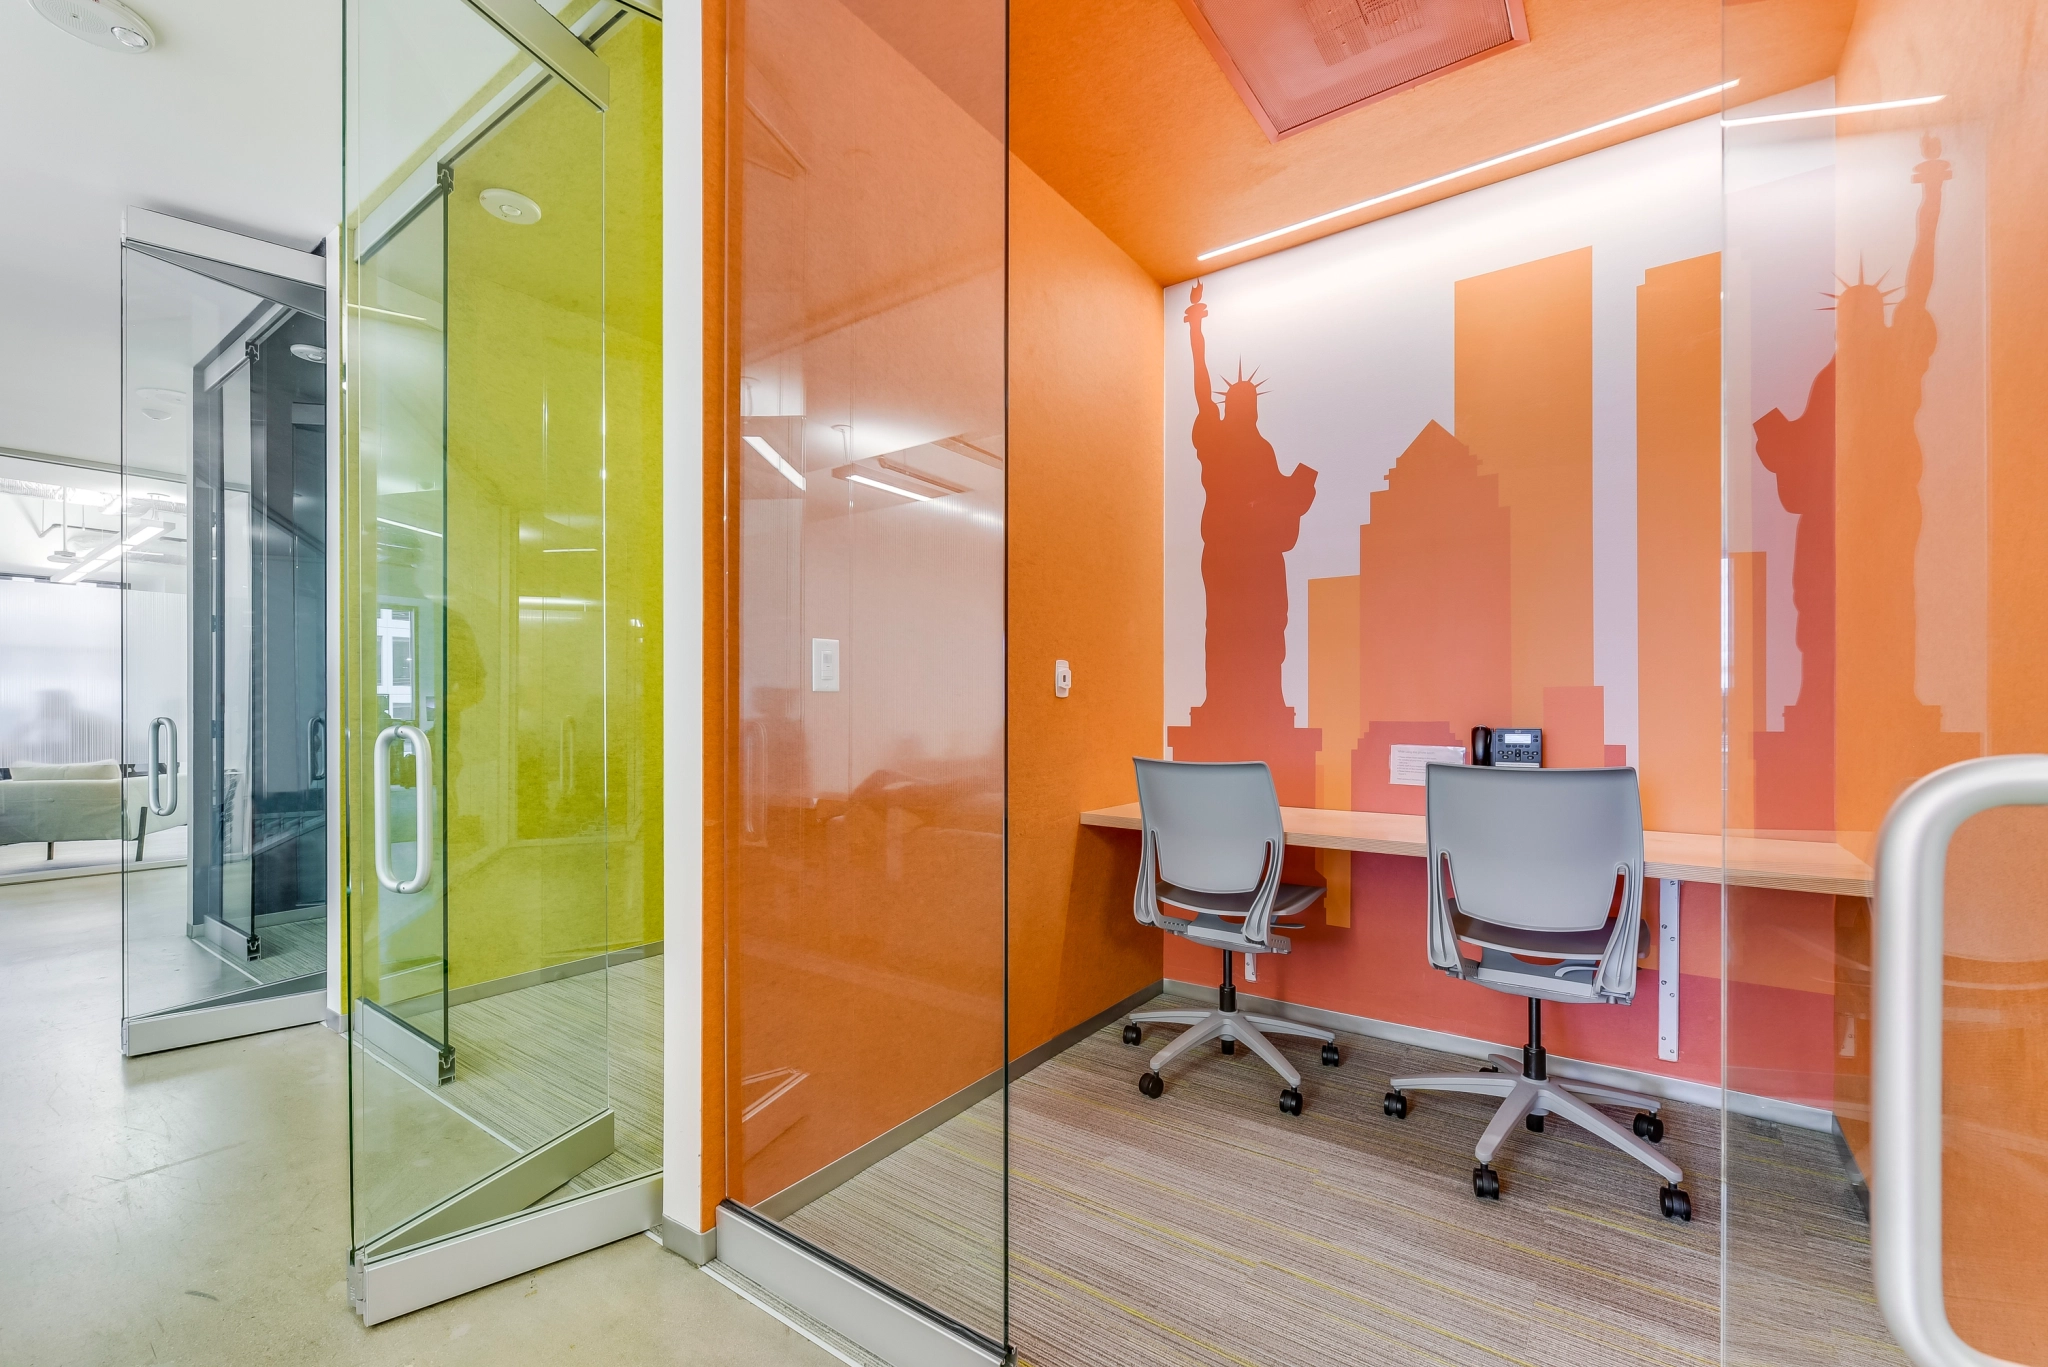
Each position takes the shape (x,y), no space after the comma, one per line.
(1830,113)
(774,458)
(890,488)
(1474,169)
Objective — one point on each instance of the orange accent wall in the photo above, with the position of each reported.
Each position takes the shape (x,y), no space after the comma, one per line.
(1333,714)
(1748,619)
(1678,544)
(1525,408)
(1086,567)
(1333,683)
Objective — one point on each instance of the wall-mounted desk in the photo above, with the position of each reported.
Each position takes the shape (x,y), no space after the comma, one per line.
(1753,862)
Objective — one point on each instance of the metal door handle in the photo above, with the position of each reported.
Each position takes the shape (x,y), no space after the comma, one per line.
(423,807)
(1905,1200)
(316,746)
(157,804)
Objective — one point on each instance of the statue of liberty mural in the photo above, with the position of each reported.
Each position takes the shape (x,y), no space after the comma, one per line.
(1251,518)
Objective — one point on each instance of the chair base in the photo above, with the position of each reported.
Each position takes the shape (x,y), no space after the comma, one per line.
(1524,1096)
(1241,1026)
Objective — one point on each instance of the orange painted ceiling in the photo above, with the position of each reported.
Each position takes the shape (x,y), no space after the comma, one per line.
(1119,106)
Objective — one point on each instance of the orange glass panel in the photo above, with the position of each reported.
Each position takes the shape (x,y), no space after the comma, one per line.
(865,951)
(1884,487)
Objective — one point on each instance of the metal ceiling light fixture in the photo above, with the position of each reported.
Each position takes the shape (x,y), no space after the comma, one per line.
(103,23)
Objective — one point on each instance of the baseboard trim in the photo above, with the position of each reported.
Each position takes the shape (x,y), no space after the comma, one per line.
(700,1247)
(1685,1090)
(552,973)
(86,871)
(801,1193)
(404,1282)
(878,1318)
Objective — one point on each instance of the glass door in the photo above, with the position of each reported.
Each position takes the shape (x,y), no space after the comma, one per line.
(1883,490)
(867,496)
(489,1078)
(221,554)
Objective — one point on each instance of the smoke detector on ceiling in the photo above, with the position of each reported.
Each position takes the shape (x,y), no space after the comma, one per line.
(103,23)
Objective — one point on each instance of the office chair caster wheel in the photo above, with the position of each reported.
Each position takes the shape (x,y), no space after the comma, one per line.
(1533,1123)
(1152,1084)
(1229,1046)
(1675,1204)
(1396,1105)
(1331,1058)
(1134,1034)
(1649,1127)
(1290,1102)
(1485,1183)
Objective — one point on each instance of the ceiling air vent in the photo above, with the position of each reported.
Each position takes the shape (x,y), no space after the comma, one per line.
(1298,62)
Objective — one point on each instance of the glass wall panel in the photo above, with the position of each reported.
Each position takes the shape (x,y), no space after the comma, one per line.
(60,660)
(865,951)
(504,986)
(218,541)
(1883,482)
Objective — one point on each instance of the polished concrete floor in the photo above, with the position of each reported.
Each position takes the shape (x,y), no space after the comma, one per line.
(190,1209)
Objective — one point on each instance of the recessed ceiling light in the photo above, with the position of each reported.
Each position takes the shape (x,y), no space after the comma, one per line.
(509,205)
(103,23)
(306,351)
(159,404)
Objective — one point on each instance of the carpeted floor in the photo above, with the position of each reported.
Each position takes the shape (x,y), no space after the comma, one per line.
(1208,1228)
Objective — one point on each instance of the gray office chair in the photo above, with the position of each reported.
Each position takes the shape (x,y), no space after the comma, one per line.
(1209,872)
(1540,871)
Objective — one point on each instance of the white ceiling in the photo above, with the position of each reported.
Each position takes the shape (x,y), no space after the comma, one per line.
(233,119)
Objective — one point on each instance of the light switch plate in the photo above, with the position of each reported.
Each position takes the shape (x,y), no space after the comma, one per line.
(824,665)
(1062,678)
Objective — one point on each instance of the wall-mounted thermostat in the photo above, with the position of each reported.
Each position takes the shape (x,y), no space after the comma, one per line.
(1062,678)
(1518,749)
(824,665)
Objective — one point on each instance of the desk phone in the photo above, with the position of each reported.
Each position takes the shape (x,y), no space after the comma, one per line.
(1518,747)
(1521,748)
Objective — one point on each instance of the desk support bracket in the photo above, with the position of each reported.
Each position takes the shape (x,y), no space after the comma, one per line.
(1667,969)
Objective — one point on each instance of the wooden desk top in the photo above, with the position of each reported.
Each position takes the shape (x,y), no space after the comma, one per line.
(1753,862)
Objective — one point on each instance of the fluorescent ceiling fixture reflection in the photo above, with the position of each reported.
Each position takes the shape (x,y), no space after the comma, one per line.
(889,488)
(407,526)
(570,550)
(1830,113)
(1474,169)
(774,458)
(112,553)
(388,313)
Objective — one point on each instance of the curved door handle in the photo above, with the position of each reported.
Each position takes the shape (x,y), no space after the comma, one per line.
(1905,1200)
(157,804)
(316,747)
(423,807)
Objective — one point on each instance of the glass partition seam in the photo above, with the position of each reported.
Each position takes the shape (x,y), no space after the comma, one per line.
(1009,1045)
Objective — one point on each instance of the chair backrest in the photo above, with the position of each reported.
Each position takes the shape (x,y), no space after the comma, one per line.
(1211,824)
(1536,849)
